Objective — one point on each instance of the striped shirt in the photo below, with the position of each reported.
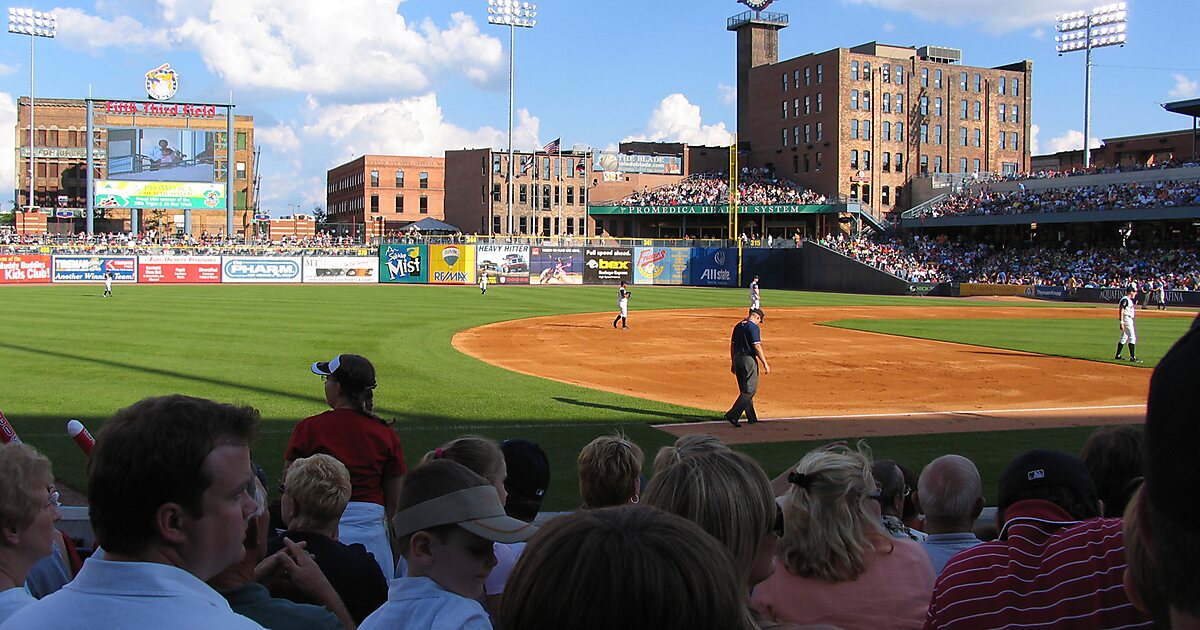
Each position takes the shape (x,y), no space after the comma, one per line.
(1046,571)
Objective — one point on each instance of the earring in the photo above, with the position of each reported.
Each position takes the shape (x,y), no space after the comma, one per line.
(636,498)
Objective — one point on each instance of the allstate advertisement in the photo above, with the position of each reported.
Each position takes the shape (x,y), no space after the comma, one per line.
(260,269)
(24,269)
(452,264)
(555,265)
(503,264)
(607,265)
(93,268)
(661,265)
(340,269)
(714,267)
(403,263)
(179,269)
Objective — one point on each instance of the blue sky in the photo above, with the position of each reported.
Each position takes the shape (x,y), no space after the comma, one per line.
(327,81)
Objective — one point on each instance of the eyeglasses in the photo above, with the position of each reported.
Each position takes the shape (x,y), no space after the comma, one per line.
(907,491)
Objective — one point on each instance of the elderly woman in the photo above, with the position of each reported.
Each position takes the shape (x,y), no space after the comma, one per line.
(836,564)
(28,510)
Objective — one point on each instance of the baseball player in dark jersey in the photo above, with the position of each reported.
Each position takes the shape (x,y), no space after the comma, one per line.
(1126,311)
(745,351)
(622,306)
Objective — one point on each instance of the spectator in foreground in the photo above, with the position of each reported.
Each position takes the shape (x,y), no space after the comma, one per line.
(1056,564)
(1142,583)
(610,469)
(249,598)
(527,481)
(315,493)
(893,494)
(448,519)
(836,563)
(28,511)
(1113,456)
(687,446)
(169,484)
(645,568)
(950,493)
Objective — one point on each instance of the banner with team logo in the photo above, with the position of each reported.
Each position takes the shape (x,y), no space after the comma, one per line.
(714,267)
(239,269)
(340,269)
(555,265)
(93,268)
(661,265)
(24,269)
(452,264)
(503,264)
(607,265)
(403,263)
(179,269)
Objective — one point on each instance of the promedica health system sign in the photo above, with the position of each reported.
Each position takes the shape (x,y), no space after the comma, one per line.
(167,195)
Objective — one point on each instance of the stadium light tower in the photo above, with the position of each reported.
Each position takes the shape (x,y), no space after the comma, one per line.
(512,14)
(1079,30)
(35,24)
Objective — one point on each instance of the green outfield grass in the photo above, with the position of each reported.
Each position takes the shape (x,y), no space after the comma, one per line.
(68,353)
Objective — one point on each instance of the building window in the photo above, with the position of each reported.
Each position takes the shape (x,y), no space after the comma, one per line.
(495,192)
(899,168)
(806,163)
(239,172)
(820,134)
(978,110)
(796,106)
(1002,85)
(937,79)
(854,129)
(1009,168)
(819,102)
(899,74)
(899,132)
(866,95)
(819,73)
(887,130)
(1016,87)
(924,105)
(522,222)
(241,140)
(570,195)
(962,82)
(887,161)
(923,164)
(886,72)
(808,76)
(818,160)
(978,82)
(807,133)
(796,135)
(1002,112)
(558,195)
(975,165)
(924,77)
(424,205)
(796,78)
(1016,143)
(978,137)
(785,136)
(962,136)
(399,179)
(785,81)
(807,103)
(785,110)
(497,159)
(523,194)
(424,179)
(399,203)
(924,133)
(853,99)
(854,70)
(375,203)
(899,103)
(966,105)
(866,193)
(545,195)
(887,102)
(374,179)
(1003,140)
(962,165)
(854,191)
(866,75)
(1016,113)
(866,130)
(937,164)
(866,160)
(884,198)
(937,134)
(937,106)
(854,159)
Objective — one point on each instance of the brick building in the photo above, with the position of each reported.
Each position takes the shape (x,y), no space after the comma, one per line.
(60,162)
(385,192)
(860,122)
(550,192)
(1144,149)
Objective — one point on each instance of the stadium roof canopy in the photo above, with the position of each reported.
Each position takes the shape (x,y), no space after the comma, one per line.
(1190,107)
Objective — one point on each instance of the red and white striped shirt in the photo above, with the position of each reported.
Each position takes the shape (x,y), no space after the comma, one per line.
(1046,571)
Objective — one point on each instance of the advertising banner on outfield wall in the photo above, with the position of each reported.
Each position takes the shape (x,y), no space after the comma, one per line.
(555,265)
(452,264)
(260,269)
(714,267)
(661,265)
(403,263)
(24,269)
(607,265)
(503,264)
(179,269)
(339,269)
(93,268)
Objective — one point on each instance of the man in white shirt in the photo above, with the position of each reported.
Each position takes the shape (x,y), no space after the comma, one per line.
(169,484)
(1126,311)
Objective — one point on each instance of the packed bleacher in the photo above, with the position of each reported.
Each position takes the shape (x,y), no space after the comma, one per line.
(1127,196)
(150,243)
(1099,169)
(844,538)
(706,189)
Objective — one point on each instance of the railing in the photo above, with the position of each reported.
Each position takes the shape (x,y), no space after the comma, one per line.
(923,209)
(756,17)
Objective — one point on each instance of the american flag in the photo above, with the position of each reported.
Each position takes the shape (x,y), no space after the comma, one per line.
(554,146)
(527,163)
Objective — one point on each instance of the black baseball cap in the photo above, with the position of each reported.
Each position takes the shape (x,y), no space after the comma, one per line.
(1172,433)
(1041,467)
(350,370)
(528,468)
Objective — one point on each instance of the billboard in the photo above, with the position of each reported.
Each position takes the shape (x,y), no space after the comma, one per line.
(607,265)
(609,162)
(403,263)
(24,269)
(179,269)
(661,265)
(503,264)
(260,269)
(555,265)
(340,269)
(169,195)
(714,267)
(93,268)
(452,264)
(148,154)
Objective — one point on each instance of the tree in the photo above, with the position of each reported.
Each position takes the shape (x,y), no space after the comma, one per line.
(320,216)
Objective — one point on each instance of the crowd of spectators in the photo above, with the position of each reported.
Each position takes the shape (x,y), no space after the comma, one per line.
(1128,196)
(840,539)
(942,260)
(1099,170)
(153,244)
(707,189)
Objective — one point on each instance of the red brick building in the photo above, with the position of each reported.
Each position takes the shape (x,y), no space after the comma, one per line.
(386,191)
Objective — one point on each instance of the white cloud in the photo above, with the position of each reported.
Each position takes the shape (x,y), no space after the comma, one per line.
(1038,33)
(6,69)
(888,27)
(83,31)
(1034,148)
(1072,140)
(1184,87)
(992,15)
(280,138)
(8,120)
(727,94)
(677,120)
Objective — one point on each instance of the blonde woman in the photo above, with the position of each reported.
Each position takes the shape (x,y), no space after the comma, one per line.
(610,471)
(836,564)
(687,446)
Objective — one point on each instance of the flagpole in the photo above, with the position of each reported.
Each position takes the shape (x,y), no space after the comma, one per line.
(558,193)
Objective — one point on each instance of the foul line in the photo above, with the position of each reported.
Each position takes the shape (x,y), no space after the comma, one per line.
(910,414)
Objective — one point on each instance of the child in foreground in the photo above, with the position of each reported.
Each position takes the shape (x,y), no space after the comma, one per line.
(448,519)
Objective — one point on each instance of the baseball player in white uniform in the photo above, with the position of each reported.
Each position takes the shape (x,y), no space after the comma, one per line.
(1126,312)
(754,297)
(623,306)
(108,284)
(483,282)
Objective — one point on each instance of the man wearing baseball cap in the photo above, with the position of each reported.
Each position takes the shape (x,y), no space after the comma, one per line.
(1056,564)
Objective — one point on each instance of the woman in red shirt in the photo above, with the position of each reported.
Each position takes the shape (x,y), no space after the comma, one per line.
(365,443)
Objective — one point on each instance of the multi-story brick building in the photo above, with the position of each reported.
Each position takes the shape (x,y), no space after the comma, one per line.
(386,192)
(60,163)
(860,122)
(550,192)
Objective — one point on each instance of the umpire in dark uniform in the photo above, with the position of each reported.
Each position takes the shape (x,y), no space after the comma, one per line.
(745,351)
